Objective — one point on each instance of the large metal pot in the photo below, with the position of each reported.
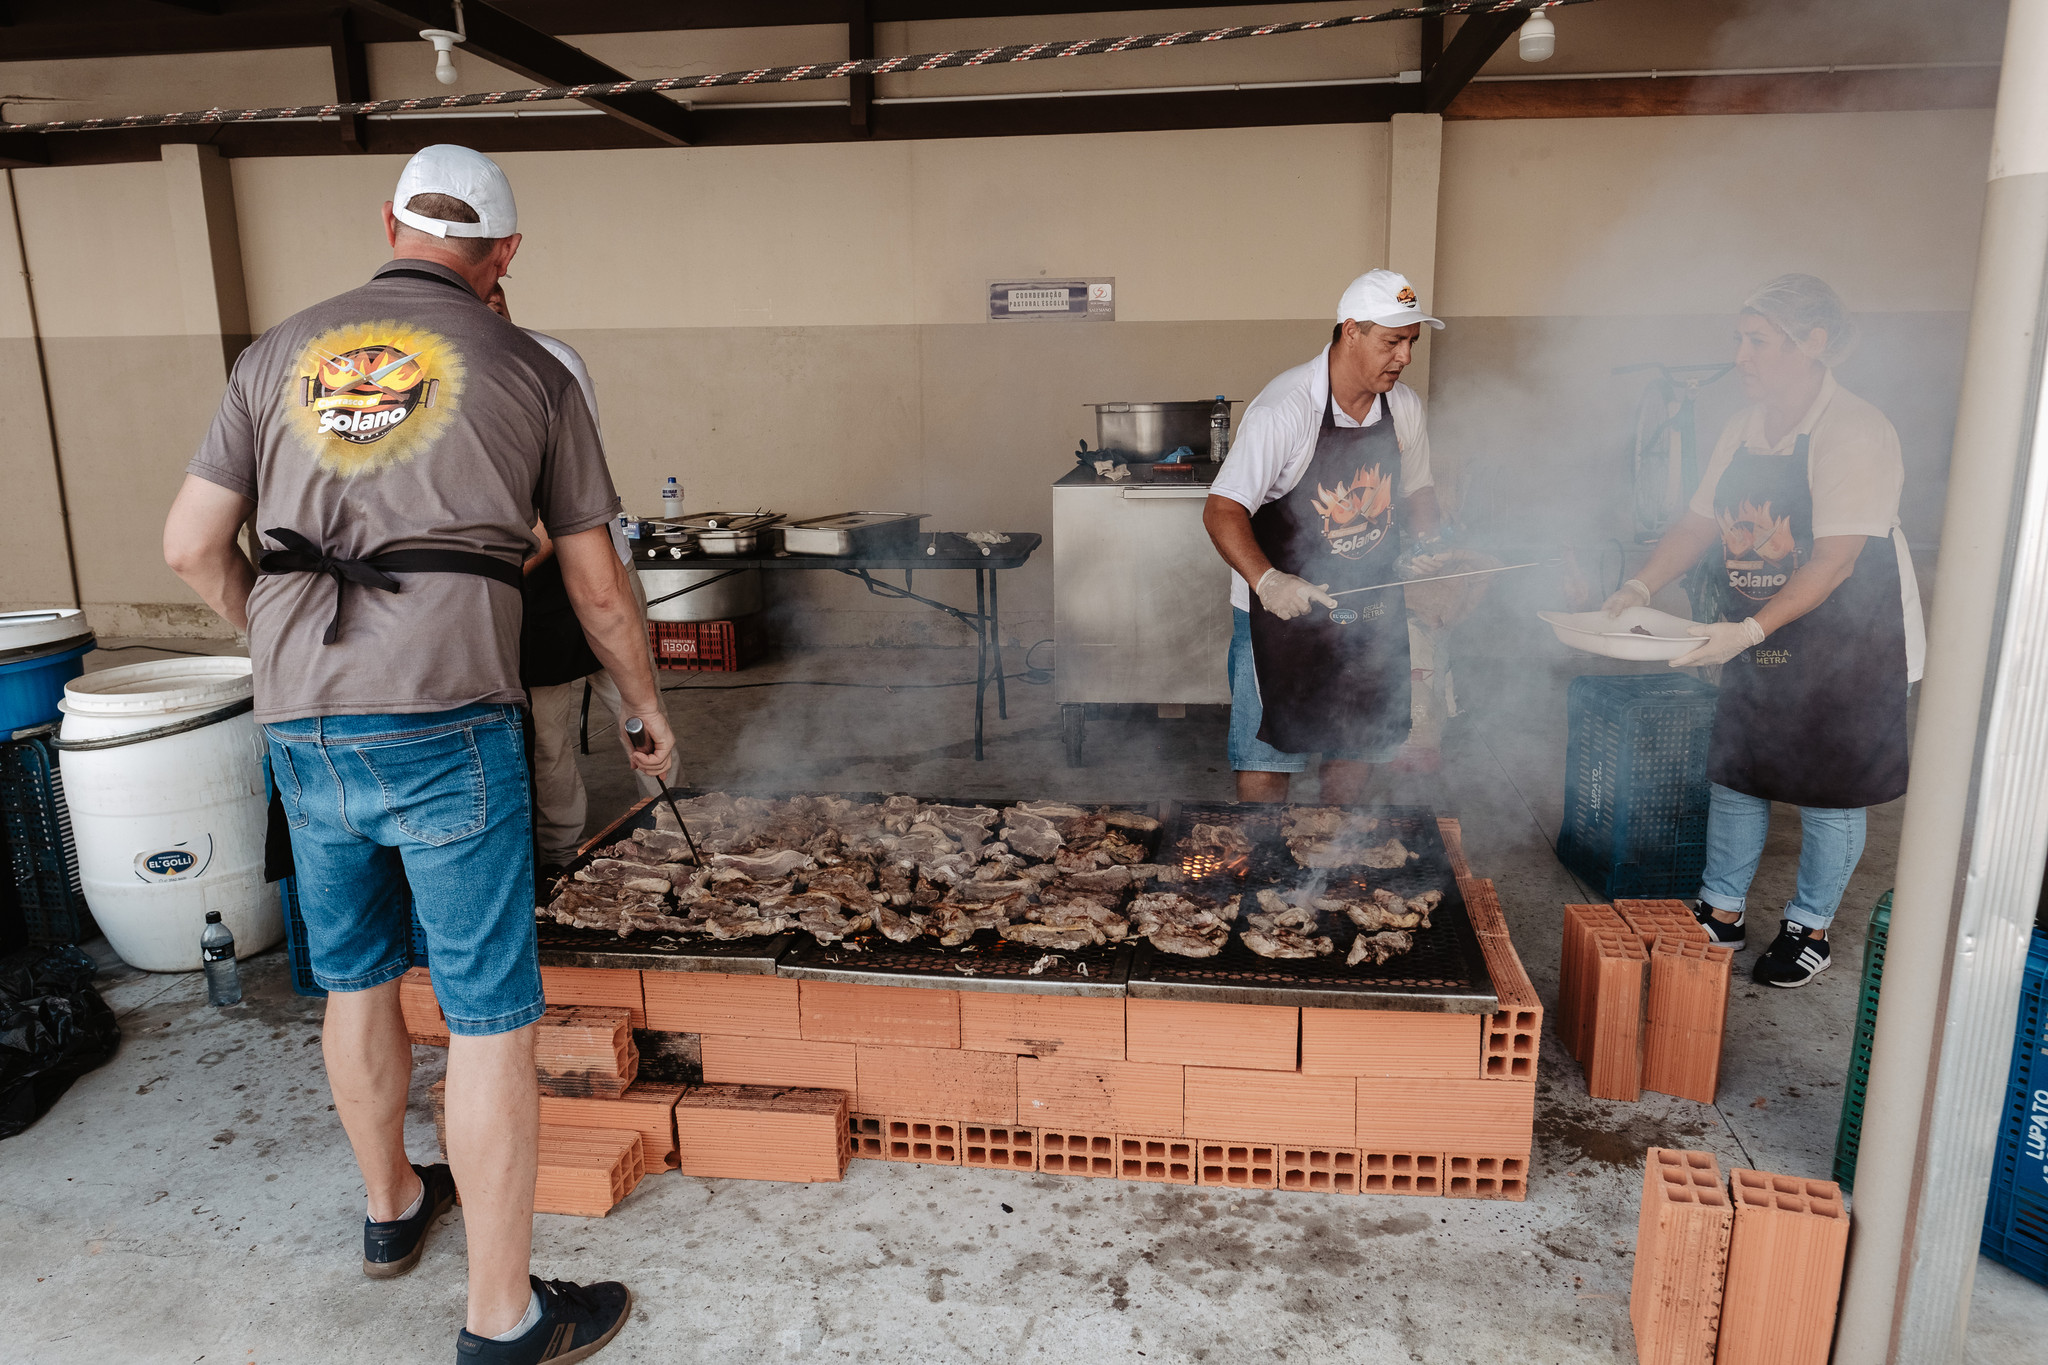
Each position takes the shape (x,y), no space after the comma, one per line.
(731,597)
(1144,432)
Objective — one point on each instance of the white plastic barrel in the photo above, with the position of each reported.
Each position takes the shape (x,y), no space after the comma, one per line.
(169,828)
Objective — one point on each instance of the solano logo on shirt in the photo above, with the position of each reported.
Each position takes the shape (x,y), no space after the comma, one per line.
(370,395)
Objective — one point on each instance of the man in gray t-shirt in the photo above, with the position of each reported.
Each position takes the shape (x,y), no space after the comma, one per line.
(396,444)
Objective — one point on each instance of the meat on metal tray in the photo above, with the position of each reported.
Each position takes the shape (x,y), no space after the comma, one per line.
(1443,972)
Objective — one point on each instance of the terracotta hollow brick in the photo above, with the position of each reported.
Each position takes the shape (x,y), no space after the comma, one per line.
(1785,1255)
(1093,1096)
(1482,906)
(1318,1170)
(424,1022)
(1674,1298)
(585,1172)
(646,1108)
(1390,1043)
(1512,1036)
(1418,1173)
(763,1133)
(1614,1066)
(1574,1012)
(865,1133)
(1238,1165)
(999,1147)
(1277,1106)
(1183,1033)
(881,1016)
(932,1142)
(1651,918)
(1454,845)
(1685,1016)
(1064,1152)
(585,1050)
(1399,1114)
(725,1003)
(611,986)
(1469,1176)
(1042,1025)
(1159,1160)
(778,1061)
(927,1081)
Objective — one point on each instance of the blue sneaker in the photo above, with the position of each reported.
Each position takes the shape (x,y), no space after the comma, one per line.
(576,1320)
(1720,931)
(1793,959)
(390,1249)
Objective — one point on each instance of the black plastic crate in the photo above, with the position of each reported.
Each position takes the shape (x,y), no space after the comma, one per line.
(1635,784)
(42,861)
(300,952)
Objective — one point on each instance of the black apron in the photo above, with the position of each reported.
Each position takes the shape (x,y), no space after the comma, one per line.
(1337,686)
(552,647)
(1816,714)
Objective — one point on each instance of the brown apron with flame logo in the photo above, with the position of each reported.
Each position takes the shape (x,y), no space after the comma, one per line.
(1816,714)
(1337,686)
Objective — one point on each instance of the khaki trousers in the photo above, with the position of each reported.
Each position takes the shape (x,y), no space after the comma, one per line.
(559,801)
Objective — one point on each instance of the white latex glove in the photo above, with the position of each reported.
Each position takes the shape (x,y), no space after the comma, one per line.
(1287,596)
(1724,640)
(1633,594)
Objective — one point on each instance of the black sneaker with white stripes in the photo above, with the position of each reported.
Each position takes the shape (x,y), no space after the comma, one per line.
(1793,959)
(576,1320)
(1720,931)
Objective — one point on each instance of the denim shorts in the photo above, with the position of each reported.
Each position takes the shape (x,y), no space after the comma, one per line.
(1249,753)
(429,814)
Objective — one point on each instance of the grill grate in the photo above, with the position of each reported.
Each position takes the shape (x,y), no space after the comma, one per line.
(563,946)
(1445,969)
(985,962)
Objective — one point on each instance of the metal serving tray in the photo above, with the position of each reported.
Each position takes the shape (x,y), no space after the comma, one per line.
(1444,973)
(850,533)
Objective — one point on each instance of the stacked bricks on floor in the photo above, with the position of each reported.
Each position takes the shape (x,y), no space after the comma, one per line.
(1600,1000)
(1665,1038)
(749,1132)
(1687,1010)
(1785,1258)
(592,1152)
(1674,1297)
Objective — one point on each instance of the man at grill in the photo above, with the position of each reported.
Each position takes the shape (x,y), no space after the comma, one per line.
(401,440)
(1328,474)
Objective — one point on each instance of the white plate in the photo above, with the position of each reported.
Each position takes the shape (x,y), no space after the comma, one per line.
(1596,632)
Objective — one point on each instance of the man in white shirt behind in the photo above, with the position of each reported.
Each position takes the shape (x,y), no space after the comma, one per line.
(1315,499)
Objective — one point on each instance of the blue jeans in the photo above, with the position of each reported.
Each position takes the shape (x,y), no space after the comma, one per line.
(1249,753)
(437,803)
(1830,843)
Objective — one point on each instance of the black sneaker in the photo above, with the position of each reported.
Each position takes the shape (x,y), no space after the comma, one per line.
(1720,931)
(576,1320)
(390,1249)
(1793,959)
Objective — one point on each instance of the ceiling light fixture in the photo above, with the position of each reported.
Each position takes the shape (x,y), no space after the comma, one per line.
(444,41)
(1538,38)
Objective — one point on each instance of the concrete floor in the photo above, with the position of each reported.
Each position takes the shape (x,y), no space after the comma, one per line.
(194,1200)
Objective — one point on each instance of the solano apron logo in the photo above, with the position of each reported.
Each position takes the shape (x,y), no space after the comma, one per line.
(181,862)
(1758,550)
(373,394)
(1358,513)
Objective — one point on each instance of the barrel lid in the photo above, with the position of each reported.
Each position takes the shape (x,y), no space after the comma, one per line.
(160,686)
(38,632)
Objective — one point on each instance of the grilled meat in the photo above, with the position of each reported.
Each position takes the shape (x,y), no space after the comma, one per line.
(1279,928)
(779,864)
(1379,948)
(1130,821)
(898,928)
(1218,841)
(1187,926)
(1387,856)
(1067,936)
(1031,835)
(1285,943)
(1049,810)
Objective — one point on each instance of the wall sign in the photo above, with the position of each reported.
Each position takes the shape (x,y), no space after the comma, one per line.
(1040,300)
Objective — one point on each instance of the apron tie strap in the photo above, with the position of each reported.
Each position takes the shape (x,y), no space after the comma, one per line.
(301,555)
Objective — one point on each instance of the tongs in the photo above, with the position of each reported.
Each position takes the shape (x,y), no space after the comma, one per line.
(1345,617)
(636,731)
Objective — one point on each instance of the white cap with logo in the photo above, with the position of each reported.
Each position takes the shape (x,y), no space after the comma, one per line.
(1386,298)
(459,173)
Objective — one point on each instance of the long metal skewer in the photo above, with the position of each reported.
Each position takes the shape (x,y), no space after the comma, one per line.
(1438,578)
(636,731)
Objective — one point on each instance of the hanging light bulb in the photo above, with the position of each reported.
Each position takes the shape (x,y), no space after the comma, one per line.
(1538,38)
(444,42)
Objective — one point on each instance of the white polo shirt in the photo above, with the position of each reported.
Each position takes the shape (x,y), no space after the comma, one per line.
(1856,473)
(1276,438)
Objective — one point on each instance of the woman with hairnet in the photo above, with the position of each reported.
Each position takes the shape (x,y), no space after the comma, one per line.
(1820,632)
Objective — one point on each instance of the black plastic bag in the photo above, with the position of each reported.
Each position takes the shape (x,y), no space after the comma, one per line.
(54,1027)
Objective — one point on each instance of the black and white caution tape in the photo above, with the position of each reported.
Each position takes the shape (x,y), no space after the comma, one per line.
(808,71)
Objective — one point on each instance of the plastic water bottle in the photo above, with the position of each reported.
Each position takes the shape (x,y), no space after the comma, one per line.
(217,951)
(1219,429)
(671,500)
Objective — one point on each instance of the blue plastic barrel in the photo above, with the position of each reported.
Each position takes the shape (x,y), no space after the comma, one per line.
(31,687)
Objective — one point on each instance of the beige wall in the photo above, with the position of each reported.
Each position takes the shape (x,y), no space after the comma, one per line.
(800,327)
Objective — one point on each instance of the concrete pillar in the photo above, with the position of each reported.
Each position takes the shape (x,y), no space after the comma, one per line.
(1414,169)
(1976,816)
(208,247)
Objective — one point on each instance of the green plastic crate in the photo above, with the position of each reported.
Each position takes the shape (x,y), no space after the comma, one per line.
(1850,1132)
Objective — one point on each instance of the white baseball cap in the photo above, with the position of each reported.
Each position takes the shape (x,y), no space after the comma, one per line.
(1381,296)
(459,173)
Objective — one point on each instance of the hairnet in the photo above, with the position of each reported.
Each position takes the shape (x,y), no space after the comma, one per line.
(1796,304)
